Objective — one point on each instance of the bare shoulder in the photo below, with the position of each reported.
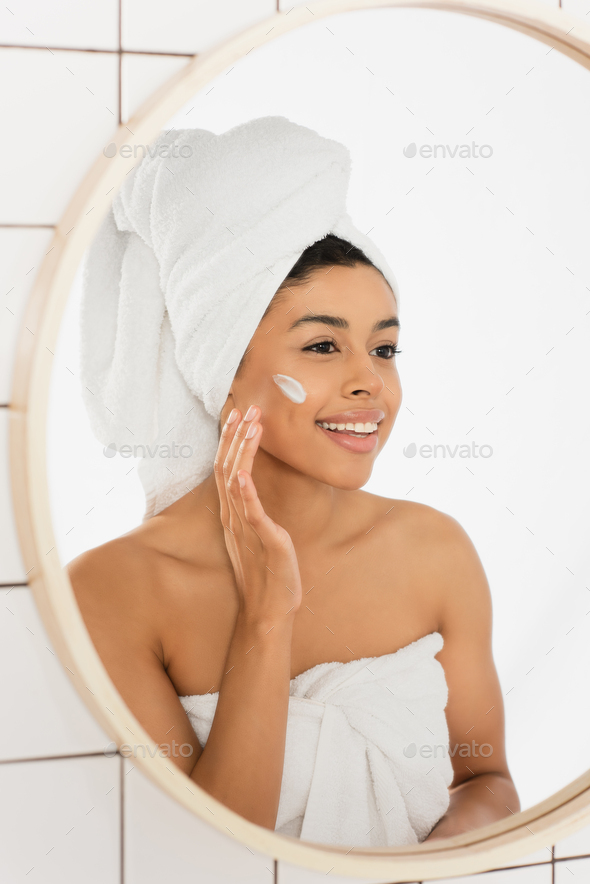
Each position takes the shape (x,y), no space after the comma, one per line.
(134,563)
(120,563)
(418,520)
(116,588)
(442,551)
(145,586)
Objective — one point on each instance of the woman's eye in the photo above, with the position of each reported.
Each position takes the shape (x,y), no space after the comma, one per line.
(320,344)
(392,348)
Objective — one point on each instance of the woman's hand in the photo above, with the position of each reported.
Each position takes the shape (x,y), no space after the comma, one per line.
(261,552)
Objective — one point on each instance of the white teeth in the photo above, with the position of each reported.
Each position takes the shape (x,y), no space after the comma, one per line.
(358,427)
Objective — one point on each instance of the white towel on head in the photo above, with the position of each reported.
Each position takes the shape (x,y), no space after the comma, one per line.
(180,273)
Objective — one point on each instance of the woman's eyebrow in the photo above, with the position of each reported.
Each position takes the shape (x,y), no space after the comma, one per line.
(339,322)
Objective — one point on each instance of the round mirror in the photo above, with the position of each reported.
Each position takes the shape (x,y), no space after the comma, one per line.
(437,638)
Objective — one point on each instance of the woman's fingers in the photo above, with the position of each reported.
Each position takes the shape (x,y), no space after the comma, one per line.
(237,440)
(261,552)
(236,451)
(246,439)
(271,534)
(247,447)
(251,415)
(227,435)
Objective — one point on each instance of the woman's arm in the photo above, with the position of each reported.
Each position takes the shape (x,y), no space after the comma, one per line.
(482,790)
(124,607)
(242,762)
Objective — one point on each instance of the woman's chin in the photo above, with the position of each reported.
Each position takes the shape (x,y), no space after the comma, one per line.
(345,481)
(336,471)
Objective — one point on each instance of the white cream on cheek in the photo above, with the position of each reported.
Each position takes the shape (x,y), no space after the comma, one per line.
(292,389)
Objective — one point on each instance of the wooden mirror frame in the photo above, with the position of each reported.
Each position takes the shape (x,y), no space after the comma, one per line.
(485,848)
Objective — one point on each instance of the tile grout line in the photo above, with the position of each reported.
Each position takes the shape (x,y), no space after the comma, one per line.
(559,859)
(104,51)
(21,225)
(34,758)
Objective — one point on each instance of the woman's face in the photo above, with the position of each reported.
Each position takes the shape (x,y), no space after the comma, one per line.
(336,334)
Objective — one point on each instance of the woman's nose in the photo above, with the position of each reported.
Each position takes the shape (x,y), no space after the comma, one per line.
(378,379)
(364,378)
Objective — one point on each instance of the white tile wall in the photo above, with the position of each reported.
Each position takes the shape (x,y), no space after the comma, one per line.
(579,8)
(289,874)
(286,5)
(577,844)
(80,24)
(60,818)
(60,821)
(188,25)
(22,251)
(42,712)
(61,115)
(142,74)
(538,874)
(164,842)
(571,870)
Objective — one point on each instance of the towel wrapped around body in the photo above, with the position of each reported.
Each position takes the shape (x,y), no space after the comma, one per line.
(366,754)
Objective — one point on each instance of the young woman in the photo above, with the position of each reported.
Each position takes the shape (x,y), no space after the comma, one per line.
(278,562)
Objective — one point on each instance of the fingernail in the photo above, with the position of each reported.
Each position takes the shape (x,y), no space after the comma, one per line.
(232,416)
(251,430)
(250,413)
(241,480)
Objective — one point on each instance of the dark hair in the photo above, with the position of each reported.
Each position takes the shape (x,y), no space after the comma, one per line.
(327,252)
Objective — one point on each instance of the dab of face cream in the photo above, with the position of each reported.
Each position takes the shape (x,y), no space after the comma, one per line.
(290,387)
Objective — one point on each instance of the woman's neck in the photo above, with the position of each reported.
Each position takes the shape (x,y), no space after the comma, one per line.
(305,507)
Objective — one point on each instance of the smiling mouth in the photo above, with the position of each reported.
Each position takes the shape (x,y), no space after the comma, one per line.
(358,430)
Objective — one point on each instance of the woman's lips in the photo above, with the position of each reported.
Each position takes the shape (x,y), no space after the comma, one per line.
(360,444)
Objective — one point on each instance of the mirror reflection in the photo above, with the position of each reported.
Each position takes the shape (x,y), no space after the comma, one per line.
(322,502)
